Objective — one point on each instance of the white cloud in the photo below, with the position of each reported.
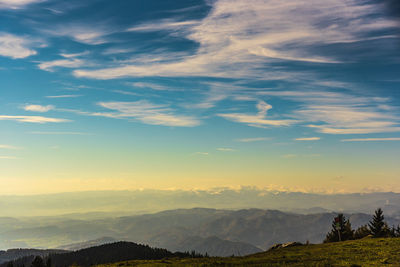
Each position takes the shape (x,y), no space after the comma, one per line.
(14,46)
(163,25)
(63,96)
(9,147)
(122,92)
(202,153)
(257,120)
(371,139)
(65,63)
(146,112)
(33,119)
(16,4)
(69,61)
(239,38)
(151,86)
(349,119)
(113,51)
(253,139)
(38,108)
(341,113)
(91,35)
(308,139)
(73,55)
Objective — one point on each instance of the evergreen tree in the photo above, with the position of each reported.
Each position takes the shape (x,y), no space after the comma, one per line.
(397,231)
(386,231)
(392,232)
(362,232)
(341,230)
(377,225)
(38,262)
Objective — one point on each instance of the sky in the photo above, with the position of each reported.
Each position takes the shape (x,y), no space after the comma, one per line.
(184,94)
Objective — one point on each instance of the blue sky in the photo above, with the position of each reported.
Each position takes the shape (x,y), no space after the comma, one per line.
(298,95)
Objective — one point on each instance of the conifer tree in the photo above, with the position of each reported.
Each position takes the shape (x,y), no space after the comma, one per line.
(397,231)
(38,262)
(362,232)
(341,230)
(377,225)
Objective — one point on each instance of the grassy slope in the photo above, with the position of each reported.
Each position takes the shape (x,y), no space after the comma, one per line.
(366,252)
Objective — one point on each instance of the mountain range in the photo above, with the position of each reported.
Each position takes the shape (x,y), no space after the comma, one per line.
(212,231)
(101,204)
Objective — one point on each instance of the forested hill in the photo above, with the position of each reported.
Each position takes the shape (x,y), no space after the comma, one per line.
(119,251)
(13,254)
(108,253)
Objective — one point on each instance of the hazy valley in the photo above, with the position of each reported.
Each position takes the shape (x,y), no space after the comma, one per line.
(218,232)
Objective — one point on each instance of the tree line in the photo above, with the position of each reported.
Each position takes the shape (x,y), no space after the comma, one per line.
(377,227)
(108,253)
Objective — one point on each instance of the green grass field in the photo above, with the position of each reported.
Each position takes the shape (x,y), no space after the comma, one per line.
(365,252)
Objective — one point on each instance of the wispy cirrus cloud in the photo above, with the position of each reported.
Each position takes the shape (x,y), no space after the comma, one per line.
(68,61)
(238,38)
(16,47)
(164,25)
(253,139)
(38,108)
(374,139)
(33,119)
(64,63)
(9,147)
(341,112)
(16,4)
(344,119)
(256,120)
(201,153)
(63,96)
(307,139)
(146,112)
(153,86)
(90,35)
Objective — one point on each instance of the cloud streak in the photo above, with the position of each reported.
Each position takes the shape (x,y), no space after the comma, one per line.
(17,4)
(256,120)
(253,139)
(38,108)
(68,61)
(63,96)
(147,113)
(9,147)
(307,139)
(33,119)
(371,139)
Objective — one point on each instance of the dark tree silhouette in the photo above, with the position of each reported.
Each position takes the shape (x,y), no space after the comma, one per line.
(341,230)
(362,232)
(48,262)
(38,262)
(378,226)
